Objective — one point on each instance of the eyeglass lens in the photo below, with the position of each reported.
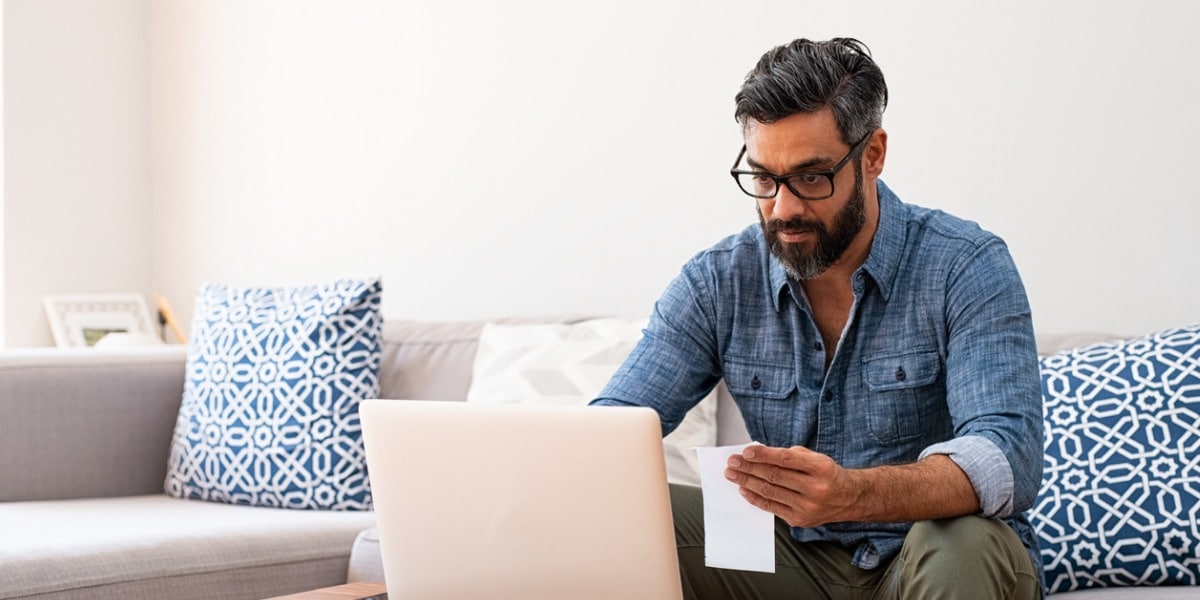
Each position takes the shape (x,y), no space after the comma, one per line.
(804,185)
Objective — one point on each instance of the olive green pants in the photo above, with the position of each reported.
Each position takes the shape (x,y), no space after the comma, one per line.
(965,557)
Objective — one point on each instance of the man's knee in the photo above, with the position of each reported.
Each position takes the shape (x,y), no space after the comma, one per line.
(960,532)
(968,539)
(966,553)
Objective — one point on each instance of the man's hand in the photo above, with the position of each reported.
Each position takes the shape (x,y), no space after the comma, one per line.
(807,489)
(802,487)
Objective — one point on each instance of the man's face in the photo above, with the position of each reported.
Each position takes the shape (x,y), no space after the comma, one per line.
(807,258)
(807,236)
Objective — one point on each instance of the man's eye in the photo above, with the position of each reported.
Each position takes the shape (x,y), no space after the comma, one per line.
(808,179)
(762,179)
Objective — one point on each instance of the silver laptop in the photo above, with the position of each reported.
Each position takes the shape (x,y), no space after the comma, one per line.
(520,501)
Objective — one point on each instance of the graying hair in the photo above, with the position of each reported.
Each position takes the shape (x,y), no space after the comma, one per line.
(806,76)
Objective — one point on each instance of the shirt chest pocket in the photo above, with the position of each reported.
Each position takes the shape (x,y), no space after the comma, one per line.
(761,389)
(900,393)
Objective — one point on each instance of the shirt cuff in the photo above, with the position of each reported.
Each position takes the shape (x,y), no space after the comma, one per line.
(986,467)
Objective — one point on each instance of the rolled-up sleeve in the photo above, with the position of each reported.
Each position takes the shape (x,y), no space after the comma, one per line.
(986,467)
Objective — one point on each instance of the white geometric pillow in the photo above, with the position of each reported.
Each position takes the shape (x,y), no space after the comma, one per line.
(270,402)
(570,364)
(1120,498)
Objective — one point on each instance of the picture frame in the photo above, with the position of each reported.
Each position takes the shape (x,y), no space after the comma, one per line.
(81,320)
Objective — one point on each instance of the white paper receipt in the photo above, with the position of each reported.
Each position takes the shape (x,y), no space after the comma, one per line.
(737,534)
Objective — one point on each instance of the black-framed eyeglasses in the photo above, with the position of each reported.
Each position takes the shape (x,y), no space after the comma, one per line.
(808,185)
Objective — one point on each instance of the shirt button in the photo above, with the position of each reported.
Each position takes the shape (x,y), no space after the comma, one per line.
(827,396)
(755,383)
(817,346)
(900,374)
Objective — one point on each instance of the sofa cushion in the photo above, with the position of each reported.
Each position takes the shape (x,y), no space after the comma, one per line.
(570,364)
(78,423)
(1120,499)
(1053,343)
(366,559)
(432,360)
(161,547)
(270,403)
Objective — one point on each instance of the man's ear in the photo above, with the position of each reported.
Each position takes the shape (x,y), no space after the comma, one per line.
(874,154)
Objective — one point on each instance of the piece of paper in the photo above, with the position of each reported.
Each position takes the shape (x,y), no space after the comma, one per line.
(737,534)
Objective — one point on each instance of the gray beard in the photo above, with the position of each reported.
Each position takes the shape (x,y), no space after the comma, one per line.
(802,263)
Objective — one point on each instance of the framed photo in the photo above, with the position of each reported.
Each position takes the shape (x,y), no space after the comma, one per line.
(81,320)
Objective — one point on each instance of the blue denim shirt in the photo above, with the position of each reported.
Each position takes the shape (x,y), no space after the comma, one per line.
(937,357)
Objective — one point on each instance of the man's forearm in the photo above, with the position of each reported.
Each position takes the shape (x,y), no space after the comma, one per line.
(808,489)
(932,488)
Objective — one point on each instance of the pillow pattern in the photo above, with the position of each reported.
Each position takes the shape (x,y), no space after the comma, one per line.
(570,364)
(1120,499)
(270,403)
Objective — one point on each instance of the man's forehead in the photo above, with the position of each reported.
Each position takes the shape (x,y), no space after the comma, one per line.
(818,125)
(802,140)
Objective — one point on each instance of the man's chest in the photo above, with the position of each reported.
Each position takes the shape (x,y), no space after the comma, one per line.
(831,310)
(855,379)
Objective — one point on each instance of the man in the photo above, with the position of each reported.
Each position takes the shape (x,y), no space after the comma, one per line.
(882,356)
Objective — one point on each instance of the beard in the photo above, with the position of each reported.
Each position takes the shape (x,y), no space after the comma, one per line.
(803,261)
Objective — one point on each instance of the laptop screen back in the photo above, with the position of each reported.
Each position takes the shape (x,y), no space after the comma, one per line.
(520,501)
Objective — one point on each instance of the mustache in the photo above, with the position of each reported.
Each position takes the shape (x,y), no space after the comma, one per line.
(795,225)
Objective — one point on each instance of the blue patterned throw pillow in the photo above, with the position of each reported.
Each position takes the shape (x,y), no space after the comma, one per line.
(1120,499)
(270,403)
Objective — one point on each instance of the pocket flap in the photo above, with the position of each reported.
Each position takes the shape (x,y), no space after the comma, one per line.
(763,380)
(902,371)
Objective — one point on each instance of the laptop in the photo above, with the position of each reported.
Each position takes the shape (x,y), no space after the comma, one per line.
(520,501)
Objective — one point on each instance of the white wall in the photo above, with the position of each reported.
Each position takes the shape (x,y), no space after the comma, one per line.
(487,162)
(534,157)
(3,178)
(76,187)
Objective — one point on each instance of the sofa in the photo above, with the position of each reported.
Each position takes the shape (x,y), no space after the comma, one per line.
(84,437)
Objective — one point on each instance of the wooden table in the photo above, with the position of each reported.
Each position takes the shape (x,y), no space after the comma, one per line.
(349,591)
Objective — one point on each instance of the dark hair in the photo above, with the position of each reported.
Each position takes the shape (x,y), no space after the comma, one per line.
(806,76)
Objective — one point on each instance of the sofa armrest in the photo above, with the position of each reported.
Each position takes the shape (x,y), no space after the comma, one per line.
(87,423)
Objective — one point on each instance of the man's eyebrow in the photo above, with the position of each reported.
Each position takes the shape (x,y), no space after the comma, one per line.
(807,165)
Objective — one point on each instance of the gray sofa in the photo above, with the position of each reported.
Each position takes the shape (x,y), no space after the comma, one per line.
(84,438)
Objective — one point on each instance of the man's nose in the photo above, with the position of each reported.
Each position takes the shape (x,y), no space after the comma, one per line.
(786,205)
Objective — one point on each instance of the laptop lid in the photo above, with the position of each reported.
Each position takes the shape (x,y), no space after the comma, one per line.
(520,501)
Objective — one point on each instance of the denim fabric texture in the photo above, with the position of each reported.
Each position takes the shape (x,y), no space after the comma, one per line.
(938,357)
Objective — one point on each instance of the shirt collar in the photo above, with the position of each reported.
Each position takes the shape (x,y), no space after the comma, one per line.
(779,278)
(883,261)
(886,248)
